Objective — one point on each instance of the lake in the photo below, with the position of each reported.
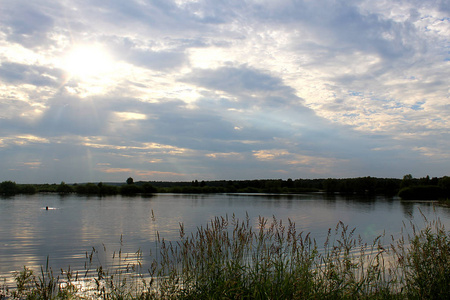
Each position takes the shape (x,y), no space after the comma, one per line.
(74,224)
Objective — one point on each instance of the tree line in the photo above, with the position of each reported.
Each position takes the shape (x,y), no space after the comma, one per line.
(8,188)
(406,188)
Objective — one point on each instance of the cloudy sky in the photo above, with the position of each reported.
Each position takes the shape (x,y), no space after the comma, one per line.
(96,90)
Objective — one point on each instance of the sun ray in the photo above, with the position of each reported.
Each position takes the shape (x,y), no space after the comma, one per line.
(87,62)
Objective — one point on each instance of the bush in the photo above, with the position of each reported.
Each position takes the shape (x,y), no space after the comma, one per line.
(130,189)
(64,188)
(87,189)
(27,189)
(8,188)
(421,192)
(148,188)
(105,189)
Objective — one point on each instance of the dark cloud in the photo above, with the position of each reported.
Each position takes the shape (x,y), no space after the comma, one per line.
(68,115)
(28,23)
(159,17)
(251,86)
(244,117)
(127,50)
(341,27)
(235,80)
(29,74)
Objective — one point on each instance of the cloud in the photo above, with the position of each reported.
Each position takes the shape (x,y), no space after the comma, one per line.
(24,74)
(237,80)
(230,89)
(27,23)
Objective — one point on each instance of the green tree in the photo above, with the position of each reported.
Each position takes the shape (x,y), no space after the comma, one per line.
(444,184)
(129,189)
(290,183)
(148,188)
(330,185)
(8,188)
(105,189)
(88,189)
(26,189)
(407,181)
(63,188)
(130,180)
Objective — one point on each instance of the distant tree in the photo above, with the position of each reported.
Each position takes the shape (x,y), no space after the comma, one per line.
(129,189)
(444,184)
(407,177)
(130,180)
(421,192)
(272,186)
(63,188)
(330,185)
(106,189)
(290,183)
(425,181)
(8,188)
(407,181)
(26,189)
(434,181)
(88,189)
(148,188)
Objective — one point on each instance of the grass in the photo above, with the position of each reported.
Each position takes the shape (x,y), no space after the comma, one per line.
(229,259)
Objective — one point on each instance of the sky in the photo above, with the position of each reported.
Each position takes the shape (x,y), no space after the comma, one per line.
(223,89)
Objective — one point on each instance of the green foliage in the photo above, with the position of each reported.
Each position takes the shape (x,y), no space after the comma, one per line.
(8,188)
(331,185)
(24,280)
(105,189)
(444,183)
(130,189)
(147,188)
(64,188)
(87,189)
(407,181)
(425,262)
(427,192)
(42,286)
(26,189)
(46,188)
(346,186)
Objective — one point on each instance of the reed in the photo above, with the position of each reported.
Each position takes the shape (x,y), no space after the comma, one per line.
(425,261)
(228,258)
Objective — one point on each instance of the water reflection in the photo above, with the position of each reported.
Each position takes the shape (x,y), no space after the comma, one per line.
(30,234)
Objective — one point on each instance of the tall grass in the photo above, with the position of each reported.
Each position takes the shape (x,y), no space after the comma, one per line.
(229,259)
(424,261)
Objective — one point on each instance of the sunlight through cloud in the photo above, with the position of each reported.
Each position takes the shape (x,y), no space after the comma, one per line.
(85,62)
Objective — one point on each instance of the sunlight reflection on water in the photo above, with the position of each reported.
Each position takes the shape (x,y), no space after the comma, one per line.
(73,225)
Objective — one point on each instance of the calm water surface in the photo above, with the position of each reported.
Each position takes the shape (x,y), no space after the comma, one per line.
(73,225)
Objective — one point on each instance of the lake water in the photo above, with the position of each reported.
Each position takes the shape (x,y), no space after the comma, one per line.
(73,224)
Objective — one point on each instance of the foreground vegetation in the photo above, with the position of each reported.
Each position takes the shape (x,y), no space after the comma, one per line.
(407,188)
(229,259)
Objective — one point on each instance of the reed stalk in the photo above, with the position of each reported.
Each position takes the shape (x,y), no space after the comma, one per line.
(230,259)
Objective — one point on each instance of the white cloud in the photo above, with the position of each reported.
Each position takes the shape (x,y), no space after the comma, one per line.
(223,88)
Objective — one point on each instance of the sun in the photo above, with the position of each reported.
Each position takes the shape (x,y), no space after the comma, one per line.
(86,62)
